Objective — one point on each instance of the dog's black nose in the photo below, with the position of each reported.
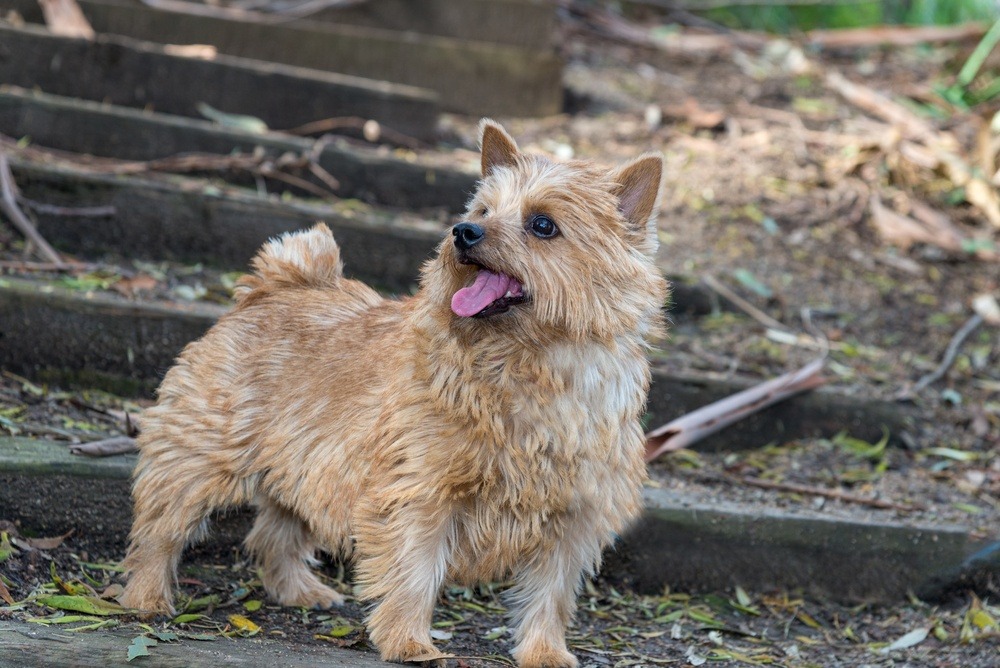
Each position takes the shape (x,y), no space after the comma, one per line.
(467,235)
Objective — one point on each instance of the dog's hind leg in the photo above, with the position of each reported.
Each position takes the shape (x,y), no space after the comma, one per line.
(170,508)
(284,549)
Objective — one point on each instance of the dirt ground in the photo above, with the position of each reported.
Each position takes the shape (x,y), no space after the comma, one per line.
(772,182)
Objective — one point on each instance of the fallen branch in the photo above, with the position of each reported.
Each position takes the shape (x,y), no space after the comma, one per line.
(950,354)
(826,493)
(699,424)
(885,35)
(8,204)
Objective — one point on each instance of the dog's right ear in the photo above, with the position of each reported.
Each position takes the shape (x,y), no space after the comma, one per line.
(498,148)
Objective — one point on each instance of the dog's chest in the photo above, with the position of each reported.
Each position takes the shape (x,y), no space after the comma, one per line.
(556,429)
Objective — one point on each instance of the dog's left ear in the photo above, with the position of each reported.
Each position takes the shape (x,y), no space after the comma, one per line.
(498,148)
(637,185)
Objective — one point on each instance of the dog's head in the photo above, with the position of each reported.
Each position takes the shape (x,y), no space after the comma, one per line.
(553,248)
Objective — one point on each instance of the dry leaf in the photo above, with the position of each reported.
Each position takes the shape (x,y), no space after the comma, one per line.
(692,112)
(987,307)
(139,283)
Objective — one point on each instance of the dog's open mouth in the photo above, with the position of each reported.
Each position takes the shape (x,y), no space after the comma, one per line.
(490,294)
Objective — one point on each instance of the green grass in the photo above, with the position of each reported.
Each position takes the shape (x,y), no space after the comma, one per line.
(784,17)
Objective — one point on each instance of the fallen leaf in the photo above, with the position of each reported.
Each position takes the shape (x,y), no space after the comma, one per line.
(138,283)
(253,606)
(47,543)
(244,625)
(5,594)
(89,605)
(187,618)
(914,637)
(6,549)
(987,307)
(140,647)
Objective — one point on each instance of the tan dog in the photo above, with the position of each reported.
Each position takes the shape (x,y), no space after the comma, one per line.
(487,426)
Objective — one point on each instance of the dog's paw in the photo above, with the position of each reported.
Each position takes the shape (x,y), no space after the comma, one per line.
(146,607)
(414,651)
(320,597)
(541,656)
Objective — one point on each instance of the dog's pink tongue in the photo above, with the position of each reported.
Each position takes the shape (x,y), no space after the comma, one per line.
(488,288)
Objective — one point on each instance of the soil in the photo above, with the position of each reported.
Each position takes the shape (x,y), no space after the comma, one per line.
(769,179)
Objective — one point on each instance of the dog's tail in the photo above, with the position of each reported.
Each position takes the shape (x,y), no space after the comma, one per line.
(307,258)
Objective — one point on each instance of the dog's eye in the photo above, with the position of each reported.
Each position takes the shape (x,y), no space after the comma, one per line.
(482,211)
(543,227)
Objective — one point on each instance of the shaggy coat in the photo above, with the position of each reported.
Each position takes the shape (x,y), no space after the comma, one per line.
(434,445)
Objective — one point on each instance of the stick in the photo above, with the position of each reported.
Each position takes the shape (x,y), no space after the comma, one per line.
(8,204)
(76,212)
(950,354)
(851,38)
(106,447)
(705,421)
(22,266)
(826,493)
(742,304)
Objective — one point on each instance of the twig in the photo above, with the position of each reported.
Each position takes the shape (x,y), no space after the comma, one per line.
(8,204)
(107,447)
(950,353)
(24,266)
(825,493)
(742,304)
(69,211)
(694,426)
(326,125)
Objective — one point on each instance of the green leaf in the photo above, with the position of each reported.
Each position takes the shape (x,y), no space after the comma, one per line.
(239,121)
(140,647)
(340,631)
(187,618)
(253,606)
(750,282)
(6,549)
(63,619)
(952,453)
(89,605)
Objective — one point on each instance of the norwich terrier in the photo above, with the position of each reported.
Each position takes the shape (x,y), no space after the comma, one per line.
(486,427)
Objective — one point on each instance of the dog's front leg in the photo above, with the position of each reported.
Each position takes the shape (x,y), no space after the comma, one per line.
(543,601)
(403,559)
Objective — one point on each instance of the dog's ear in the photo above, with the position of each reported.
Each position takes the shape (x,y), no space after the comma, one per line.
(637,186)
(498,149)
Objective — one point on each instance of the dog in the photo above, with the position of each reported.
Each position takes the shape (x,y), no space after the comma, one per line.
(488,426)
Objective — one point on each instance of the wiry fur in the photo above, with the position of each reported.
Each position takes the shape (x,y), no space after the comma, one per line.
(441,447)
